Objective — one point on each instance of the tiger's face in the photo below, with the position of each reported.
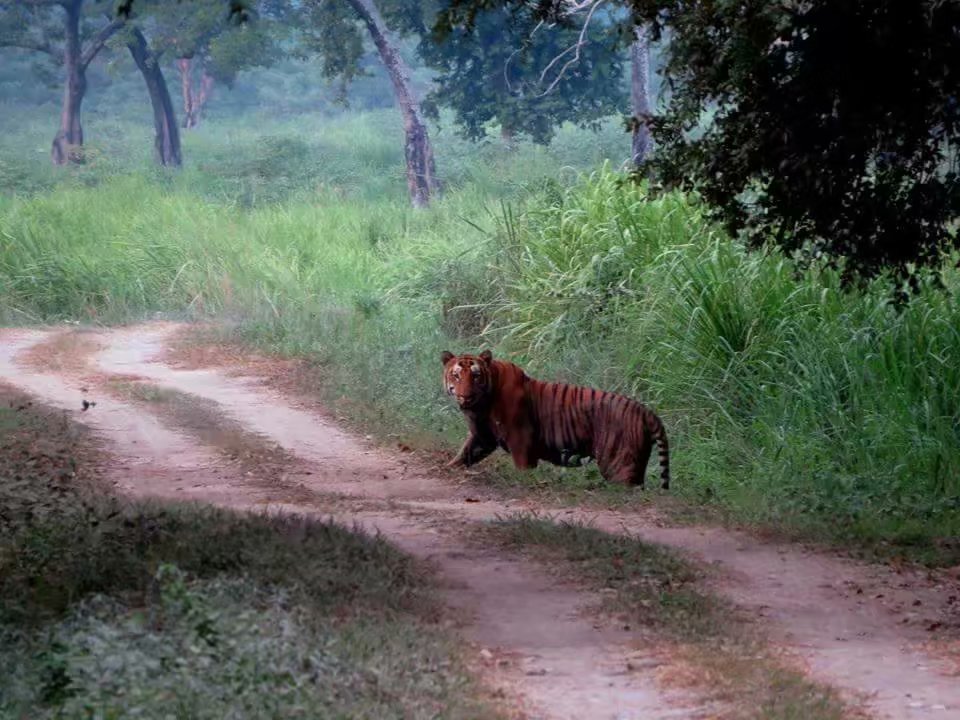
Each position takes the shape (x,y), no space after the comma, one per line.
(468,378)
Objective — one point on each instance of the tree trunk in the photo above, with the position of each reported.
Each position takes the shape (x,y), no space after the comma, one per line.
(193,102)
(68,142)
(167,142)
(640,95)
(421,172)
(506,135)
(200,100)
(185,66)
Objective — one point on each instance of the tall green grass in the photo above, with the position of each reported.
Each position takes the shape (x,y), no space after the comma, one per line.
(790,397)
(789,400)
(259,159)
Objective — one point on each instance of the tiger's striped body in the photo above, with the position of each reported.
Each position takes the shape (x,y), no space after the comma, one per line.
(535,420)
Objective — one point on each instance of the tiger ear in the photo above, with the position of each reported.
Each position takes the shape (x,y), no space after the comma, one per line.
(486,356)
(446,356)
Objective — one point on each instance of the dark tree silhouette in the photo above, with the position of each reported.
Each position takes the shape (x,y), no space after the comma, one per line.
(167,135)
(827,126)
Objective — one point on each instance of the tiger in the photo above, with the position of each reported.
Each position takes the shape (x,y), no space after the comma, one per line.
(535,420)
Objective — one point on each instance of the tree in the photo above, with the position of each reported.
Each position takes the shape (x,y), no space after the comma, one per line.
(167,136)
(826,126)
(194,99)
(421,173)
(838,115)
(77,38)
(640,96)
(333,30)
(500,71)
(207,41)
(72,35)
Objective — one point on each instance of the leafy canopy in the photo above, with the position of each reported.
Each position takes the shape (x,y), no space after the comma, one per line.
(499,70)
(830,126)
(227,43)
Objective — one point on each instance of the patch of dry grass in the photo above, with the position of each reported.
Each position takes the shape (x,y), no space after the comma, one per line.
(65,353)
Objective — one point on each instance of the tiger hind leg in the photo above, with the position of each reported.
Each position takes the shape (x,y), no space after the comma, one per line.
(620,469)
(634,475)
(639,475)
(629,469)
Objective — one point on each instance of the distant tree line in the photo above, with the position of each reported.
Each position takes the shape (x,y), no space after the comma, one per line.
(71,34)
(499,77)
(829,127)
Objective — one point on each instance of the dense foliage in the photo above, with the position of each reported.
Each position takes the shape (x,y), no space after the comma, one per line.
(501,73)
(202,29)
(830,125)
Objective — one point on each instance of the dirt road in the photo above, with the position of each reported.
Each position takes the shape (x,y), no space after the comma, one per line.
(865,629)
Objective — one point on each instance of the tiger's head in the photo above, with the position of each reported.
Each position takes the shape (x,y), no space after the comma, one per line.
(469,378)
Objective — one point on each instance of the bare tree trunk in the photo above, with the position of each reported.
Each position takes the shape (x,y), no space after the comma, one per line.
(640,95)
(167,142)
(421,172)
(68,142)
(506,135)
(200,100)
(193,102)
(185,66)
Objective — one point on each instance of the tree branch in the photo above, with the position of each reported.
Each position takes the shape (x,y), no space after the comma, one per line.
(43,47)
(506,64)
(99,40)
(574,8)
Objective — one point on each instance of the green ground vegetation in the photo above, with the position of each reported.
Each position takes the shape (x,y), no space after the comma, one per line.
(791,401)
(112,608)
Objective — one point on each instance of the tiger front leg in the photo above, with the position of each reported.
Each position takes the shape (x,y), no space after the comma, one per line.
(475,448)
(524,460)
(523,450)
